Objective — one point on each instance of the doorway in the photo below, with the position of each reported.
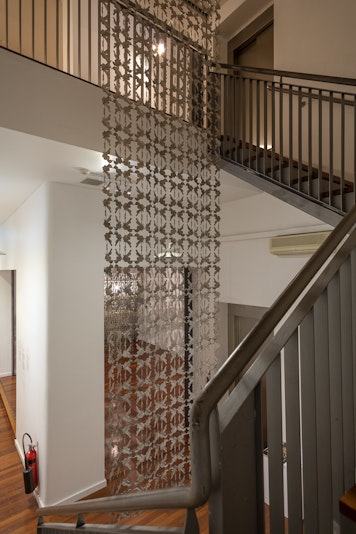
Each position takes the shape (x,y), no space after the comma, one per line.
(7,323)
(254,45)
(8,344)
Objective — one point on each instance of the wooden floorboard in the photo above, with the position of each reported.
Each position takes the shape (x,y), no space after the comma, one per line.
(8,396)
(18,510)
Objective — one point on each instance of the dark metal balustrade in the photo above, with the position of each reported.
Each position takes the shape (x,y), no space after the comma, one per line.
(298,131)
(295,129)
(63,34)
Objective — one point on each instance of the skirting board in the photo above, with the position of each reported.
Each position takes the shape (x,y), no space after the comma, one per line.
(75,496)
(72,498)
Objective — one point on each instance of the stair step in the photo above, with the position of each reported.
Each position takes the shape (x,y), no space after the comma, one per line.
(60,528)
(247,155)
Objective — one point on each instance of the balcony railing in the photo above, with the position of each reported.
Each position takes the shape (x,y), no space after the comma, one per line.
(296,129)
(63,34)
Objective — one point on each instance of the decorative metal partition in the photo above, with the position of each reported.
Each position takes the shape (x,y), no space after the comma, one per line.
(161,219)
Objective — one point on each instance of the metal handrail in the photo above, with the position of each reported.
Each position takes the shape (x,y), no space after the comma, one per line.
(222,67)
(198,492)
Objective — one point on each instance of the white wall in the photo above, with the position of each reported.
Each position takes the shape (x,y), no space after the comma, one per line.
(76,116)
(5,323)
(55,242)
(75,340)
(250,274)
(315,37)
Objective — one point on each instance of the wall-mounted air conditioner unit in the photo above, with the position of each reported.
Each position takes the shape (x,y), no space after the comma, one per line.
(297,243)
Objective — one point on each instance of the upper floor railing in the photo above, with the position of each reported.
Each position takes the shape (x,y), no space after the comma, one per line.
(293,128)
(63,34)
(296,129)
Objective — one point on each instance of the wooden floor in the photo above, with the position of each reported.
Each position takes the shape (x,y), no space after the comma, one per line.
(18,510)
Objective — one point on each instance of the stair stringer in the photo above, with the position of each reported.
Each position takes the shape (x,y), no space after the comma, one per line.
(328,215)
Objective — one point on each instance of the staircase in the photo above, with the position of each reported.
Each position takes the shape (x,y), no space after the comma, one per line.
(292,135)
(297,364)
(295,130)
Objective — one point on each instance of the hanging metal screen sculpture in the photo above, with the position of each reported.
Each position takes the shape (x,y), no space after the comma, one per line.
(161,222)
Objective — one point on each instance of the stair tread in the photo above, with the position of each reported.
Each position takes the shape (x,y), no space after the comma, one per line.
(284,163)
(112,529)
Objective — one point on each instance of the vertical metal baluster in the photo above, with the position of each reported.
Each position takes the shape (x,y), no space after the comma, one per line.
(308,419)
(89,42)
(353,331)
(347,365)
(354,102)
(20,26)
(250,125)
(292,418)
(234,116)
(79,39)
(257,124)
(259,446)
(133,88)
(165,94)
(7,23)
(68,36)
(265,134)
(331,146)
(99,44)
(273,118)
(226,117)
(336,415)
(45,32)
(57,34)
(310,142)
(223,101)
(173,47)
(242,160)
(322,408)
(229,116)
(143,59)
(185,70)
(342,154)
(300,138)
(178,48)
(320,145)
(280,130)
(290,99)
(150,83)
(275,452)
(33,30)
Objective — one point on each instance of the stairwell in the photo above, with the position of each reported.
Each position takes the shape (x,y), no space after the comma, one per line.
(307,364)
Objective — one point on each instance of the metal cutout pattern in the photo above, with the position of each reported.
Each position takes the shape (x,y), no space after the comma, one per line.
(161,229)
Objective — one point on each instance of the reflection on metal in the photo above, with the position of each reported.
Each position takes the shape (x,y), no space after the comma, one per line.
(161,222)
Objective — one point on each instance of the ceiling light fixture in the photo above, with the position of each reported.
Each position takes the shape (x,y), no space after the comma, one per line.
(158,49)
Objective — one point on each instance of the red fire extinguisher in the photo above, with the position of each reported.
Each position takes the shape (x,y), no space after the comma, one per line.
(30,471)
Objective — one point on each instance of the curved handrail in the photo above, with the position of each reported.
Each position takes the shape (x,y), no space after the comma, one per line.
(285,74)
(198,492)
